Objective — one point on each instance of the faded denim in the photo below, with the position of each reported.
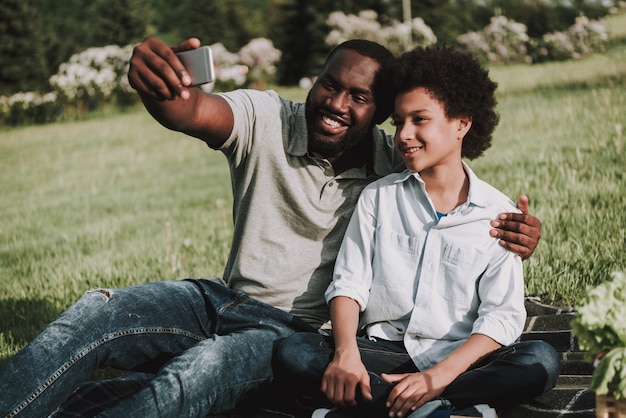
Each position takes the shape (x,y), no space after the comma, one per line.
(209,347)
(509,376)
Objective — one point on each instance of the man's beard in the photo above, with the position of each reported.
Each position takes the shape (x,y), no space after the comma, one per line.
(318,144)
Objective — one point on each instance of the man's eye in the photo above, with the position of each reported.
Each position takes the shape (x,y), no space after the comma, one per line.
(328,85)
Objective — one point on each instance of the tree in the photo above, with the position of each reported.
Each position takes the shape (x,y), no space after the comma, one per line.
(293,42)
(21,50)
(446,18)
(118,22)
(238,24)
(299,29)
(65,27)
(215,22)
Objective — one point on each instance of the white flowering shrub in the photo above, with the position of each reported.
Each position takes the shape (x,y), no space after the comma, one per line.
(584,37)
(29,107)
(222,57)
(555,45)
(396,36)
(502,41)
(589,36)
(98,76)
(229,72)
(94,76)
(260,56)
(506,41)
(253,66)
(88,80)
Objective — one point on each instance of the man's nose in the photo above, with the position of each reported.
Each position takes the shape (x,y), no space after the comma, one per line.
(339,102)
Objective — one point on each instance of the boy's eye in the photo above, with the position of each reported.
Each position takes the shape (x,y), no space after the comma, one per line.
(395,122)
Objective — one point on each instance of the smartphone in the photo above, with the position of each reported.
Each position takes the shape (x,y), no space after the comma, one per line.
(199,64)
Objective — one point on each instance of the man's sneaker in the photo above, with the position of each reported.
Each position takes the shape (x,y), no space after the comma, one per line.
(337,413)
(329,413)
(320,413)
(482,410)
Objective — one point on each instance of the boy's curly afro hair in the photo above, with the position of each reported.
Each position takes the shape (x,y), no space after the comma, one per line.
(459,82)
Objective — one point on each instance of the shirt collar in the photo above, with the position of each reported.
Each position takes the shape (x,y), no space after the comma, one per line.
(477,195)
(295,132)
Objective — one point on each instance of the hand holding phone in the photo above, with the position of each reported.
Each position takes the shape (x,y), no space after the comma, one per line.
(199,64)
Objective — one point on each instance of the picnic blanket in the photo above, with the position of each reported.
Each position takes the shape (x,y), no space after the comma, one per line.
(569,399)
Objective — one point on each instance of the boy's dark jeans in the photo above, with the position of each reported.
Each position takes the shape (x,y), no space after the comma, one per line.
(509,376)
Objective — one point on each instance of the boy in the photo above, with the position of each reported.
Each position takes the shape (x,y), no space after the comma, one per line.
(437,303)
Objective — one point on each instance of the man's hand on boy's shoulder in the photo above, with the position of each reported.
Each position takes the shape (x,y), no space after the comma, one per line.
(518,232)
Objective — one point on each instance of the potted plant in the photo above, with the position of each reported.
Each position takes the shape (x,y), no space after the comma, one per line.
(600,327)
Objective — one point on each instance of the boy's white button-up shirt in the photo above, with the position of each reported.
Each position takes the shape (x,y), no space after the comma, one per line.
(430,283)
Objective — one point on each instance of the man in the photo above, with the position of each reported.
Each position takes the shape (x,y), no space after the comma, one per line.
(297,171)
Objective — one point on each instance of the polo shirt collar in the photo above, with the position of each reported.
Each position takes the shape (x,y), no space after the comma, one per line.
(385,159)
(297,145)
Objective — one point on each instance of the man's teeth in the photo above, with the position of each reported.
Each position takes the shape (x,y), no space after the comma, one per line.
(332,123)
(412,150)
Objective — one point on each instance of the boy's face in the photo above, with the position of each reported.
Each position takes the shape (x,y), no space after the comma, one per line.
(425,137)
(340,106)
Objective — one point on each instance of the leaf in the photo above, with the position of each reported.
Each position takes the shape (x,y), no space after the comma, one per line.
(609,377)
(600,322)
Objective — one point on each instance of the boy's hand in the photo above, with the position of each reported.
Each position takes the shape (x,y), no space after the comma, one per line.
(411,391)
(518,232)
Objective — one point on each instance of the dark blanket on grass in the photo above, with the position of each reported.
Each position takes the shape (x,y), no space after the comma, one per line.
(570,398)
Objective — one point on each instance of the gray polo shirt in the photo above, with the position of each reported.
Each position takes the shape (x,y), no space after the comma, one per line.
(290,210)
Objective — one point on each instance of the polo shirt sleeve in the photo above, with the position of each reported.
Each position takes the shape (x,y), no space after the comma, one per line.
(252,110)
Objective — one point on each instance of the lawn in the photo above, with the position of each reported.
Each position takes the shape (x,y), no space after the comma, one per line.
(117,199)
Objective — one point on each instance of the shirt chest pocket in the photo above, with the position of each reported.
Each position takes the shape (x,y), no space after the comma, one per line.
(459,273)
(395,258)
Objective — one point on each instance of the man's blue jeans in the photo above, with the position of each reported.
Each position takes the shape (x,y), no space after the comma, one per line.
(208,347)
(509,376)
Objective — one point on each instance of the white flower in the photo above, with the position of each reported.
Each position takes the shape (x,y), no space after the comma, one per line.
(396,36)
(260,56)
(95,72)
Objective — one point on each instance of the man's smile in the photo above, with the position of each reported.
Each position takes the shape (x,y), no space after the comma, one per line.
(331,122)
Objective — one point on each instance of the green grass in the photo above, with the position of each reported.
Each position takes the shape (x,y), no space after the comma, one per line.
(565,149)
(118,200)
(108,202)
